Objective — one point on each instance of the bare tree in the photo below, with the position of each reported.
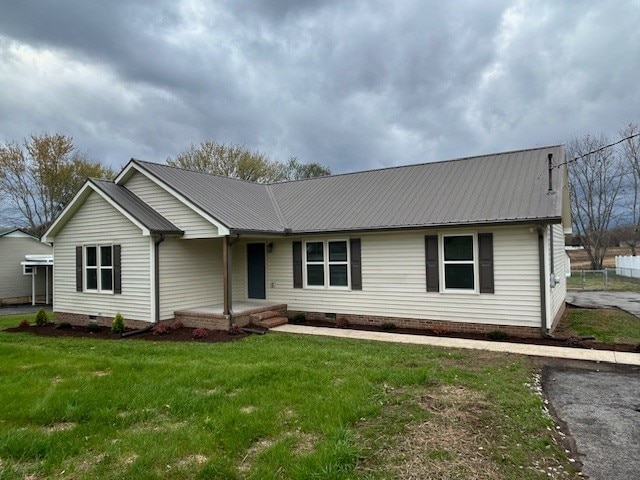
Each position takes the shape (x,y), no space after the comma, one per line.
(631,194)
(595,176)
(237,161)
(39,176)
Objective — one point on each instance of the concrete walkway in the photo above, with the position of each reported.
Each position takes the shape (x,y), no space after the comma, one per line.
(624,358)
(627,301)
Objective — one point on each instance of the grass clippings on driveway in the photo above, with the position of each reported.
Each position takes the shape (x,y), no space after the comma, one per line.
(268,407)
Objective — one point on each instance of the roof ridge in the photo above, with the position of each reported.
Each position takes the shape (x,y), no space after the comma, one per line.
(196,171)
(437,162)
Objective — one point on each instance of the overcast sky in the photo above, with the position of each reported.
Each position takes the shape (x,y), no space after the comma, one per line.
(349,84)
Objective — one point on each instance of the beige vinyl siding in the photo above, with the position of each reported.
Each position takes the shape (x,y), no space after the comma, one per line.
(97,222)
(194,225)
(190,274)
(394,281)
(559,292)
(13,284)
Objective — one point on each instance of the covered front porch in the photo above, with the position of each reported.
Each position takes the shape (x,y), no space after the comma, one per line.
(245,312)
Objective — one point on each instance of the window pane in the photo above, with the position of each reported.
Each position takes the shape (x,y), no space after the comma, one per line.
(338,276)
(92,278)
(458,248)
(315,275)
(337,251)
(315,252)
(92,257)
(459,276)
(106,279)
(105,257)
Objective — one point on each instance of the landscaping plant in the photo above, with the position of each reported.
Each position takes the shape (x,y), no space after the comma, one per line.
(41,318)
(117,326)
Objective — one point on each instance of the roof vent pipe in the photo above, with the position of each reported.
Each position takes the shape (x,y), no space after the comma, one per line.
(550,158)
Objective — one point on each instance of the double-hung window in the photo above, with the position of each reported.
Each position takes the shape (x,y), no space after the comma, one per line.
(327,264)
(99,268)
(458,262)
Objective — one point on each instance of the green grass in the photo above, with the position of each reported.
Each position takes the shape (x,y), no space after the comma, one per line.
(606,325)
(589,280)
(266,407)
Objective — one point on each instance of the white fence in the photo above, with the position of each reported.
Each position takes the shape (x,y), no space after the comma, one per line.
(628,266)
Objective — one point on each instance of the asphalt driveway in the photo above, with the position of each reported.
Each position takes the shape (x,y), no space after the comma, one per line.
(601,410)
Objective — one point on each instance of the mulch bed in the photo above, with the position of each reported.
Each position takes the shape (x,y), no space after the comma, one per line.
(186,335)
(183,334)
(557,342)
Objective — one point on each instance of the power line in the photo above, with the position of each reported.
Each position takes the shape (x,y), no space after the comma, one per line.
(598,150)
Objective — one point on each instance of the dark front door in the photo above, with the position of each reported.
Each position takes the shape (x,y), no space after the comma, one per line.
(256,276)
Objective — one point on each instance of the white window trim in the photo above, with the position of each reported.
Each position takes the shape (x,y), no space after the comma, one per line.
(442,263)
(98,267)
(326,263)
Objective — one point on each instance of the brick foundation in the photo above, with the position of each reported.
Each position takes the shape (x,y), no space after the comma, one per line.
(418,323)
(203,320)
(83,319)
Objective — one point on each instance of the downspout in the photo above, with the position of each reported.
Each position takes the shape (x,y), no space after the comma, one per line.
(543,284)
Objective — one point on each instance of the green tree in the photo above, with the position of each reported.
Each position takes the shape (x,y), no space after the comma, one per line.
(238,161)
(39,176)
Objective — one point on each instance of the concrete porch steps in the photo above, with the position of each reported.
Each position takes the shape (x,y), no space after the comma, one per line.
(269,318)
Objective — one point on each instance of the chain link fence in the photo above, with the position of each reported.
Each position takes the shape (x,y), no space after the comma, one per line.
(607,279)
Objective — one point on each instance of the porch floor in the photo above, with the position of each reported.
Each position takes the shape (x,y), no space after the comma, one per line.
(242,307)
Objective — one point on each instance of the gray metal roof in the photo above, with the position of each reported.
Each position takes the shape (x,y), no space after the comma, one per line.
(133,205)
(500,188)
(504,187)
(238,204)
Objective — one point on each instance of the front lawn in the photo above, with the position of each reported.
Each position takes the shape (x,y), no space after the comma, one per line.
(267,407)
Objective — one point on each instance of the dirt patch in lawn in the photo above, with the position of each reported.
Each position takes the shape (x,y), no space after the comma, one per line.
(183,334)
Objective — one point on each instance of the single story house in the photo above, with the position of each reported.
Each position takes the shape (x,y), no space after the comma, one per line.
(472,244)
(17,281)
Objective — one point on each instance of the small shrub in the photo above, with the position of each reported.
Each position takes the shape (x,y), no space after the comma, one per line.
(299,318)
(177,325)
(92,327)
(440,331)
(388,326)
(342,322)
(117,326)
(160,329)
(24,323)
(497,335)
(63,326)
(199,333)
(41,318)
(235,330)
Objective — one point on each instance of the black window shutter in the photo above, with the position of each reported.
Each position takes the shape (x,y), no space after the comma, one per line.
(117,269)
(485,248)
(297,264)
(78,269)
(431,251)
(356,264)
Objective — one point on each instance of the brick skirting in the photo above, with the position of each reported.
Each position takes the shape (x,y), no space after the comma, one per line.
(418,323)
(83,319)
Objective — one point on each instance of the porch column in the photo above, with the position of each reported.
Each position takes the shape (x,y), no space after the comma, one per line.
(227,267)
